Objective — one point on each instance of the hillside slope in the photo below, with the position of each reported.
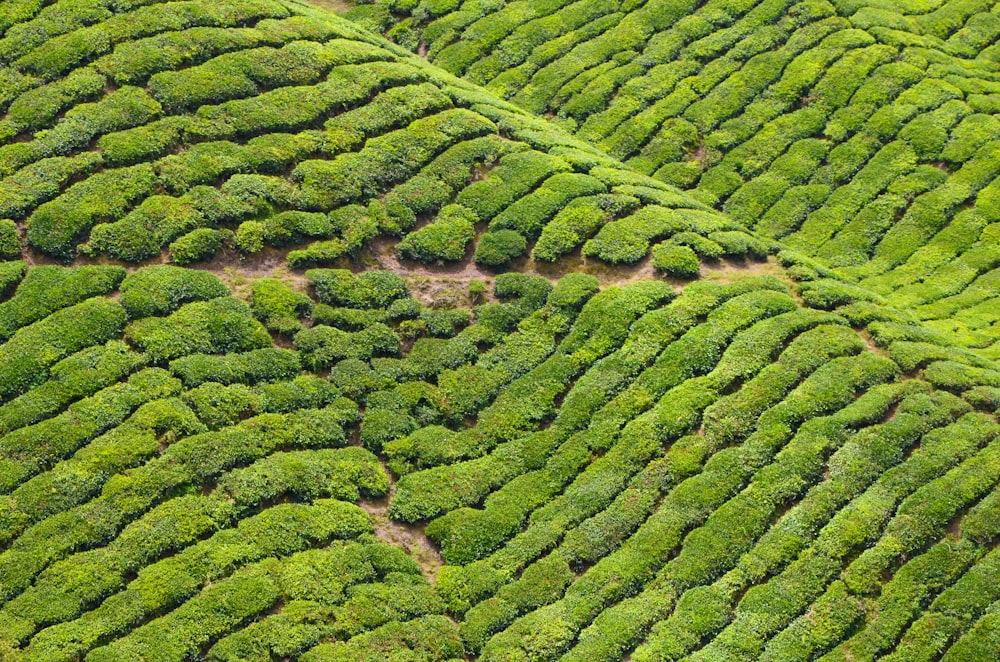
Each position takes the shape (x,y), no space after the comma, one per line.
(149,125)
(722,471)
(864,134)
(428,379)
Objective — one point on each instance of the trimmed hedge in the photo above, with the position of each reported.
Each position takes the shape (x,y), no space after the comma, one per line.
(278,306)
(259,365)
(25,359)
(675,260)
(446,238)
(369,289)
(197,246)
(46,289)
(221,326)
(499,247)
(161,289)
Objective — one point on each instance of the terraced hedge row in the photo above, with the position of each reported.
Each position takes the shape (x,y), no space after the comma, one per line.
(153,128)
(226,435)
(862,134)
(629,469)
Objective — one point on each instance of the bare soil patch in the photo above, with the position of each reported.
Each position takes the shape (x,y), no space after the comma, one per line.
(336,6)
(409,537)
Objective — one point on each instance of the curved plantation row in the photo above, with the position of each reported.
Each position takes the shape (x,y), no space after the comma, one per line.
(711,483)
(173,484)
(132,128)
(721,472)
(863,134)
(751,467)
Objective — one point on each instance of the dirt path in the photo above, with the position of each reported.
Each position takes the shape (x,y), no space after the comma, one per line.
(382,251)
(408,537)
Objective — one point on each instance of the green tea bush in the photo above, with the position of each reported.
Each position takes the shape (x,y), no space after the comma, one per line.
(369,289)
(570,227)
(516,175)
(499,247)
(278,306)
(10,242)
(46,289)
(11,274)
(161,289)
(61,435)
(259,365)
(143,232)
(79,375)
(323,346)
(446,238)
(529,215)
(27,356)
(675,260)
(221,326)
(56,227)
(197,246)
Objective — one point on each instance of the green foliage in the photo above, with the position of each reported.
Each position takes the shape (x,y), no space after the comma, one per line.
(576,222)
(259,365)
(10,242)
(784,467)
(500,247)
(57,226)
(161,289)
(197,246)
(322,346)
(675,260)
(79,375)
(446,238)
(44,290)
(11,274)
(369,289)
(278,306)
(26,357)
(220,326)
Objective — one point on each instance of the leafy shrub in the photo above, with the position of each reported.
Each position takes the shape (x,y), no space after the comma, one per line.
(156,222)
(197,246)
(477,289)
(221,325)
(249,237)
(26,357)
(675,260)
(46,289)
(528,290)
(737,243)
(323,346)
(57,226)
(161,289)
(10,243)
(570,227)
(445,238)
(369,289)
(291,226)
(11,274)
(445,323)
(78,375)
(573,291)
(269,364)
(500,247)
(278,306)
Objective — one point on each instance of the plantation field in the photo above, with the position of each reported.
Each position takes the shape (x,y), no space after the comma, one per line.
(179,128)
(546,330)
(863,134)
(708,472)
